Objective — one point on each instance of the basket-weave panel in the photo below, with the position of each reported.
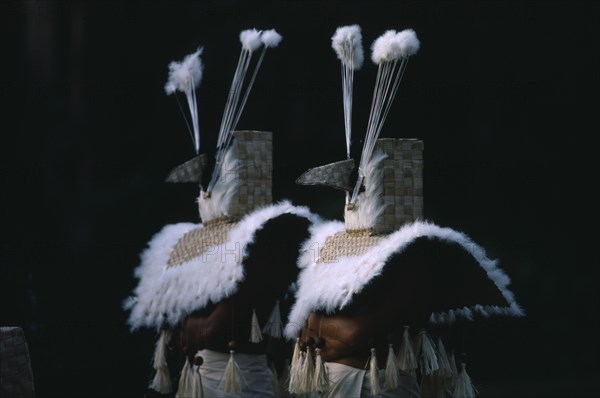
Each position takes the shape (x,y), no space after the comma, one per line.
(254,150)
(402,183)
(347,243)
(198,241)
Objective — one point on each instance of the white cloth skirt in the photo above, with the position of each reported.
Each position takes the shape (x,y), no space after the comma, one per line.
(257,378)
(349,382)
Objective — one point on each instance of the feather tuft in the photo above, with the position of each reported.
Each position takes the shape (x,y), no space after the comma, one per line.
(347,43)
(185,75)
(385,48)
(369,204)
(270,38)
(408,42)
(250,39)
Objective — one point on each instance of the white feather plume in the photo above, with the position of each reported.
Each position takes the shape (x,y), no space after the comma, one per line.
(408,42)
(369,204)
(224,189)
(347,43)
(250,39)
(270,38)
(185,75)
(386,48)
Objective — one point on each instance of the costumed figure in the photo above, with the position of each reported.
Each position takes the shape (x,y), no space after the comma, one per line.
(218,293)
(371,287)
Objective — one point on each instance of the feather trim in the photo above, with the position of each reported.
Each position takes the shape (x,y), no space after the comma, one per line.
(331,287)
(167,294)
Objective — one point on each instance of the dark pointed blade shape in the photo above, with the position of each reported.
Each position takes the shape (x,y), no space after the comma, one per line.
(335,175)
(431,278)
(190,171)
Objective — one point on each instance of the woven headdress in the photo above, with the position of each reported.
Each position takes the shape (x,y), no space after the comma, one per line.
(241,175)
(384,255)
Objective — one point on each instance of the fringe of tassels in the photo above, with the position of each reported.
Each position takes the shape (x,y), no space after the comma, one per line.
(162,378)
(190,380)
(307,374)
(436,366)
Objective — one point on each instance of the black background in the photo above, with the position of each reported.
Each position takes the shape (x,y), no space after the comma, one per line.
(502,93)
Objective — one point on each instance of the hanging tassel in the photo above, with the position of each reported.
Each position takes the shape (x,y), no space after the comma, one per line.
(184,388)
(426,356)
(295,369)
(444,373)
(232,375)
(407,361)
(453,369)
(162,378)
(307,377)
(255,334)
(321,382)
(374,373)
(443,361)
(195,378)
(392,377)
(274,326)
(464,387)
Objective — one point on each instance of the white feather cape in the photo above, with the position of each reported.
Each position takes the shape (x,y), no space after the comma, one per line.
(164,295)
(331,286)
